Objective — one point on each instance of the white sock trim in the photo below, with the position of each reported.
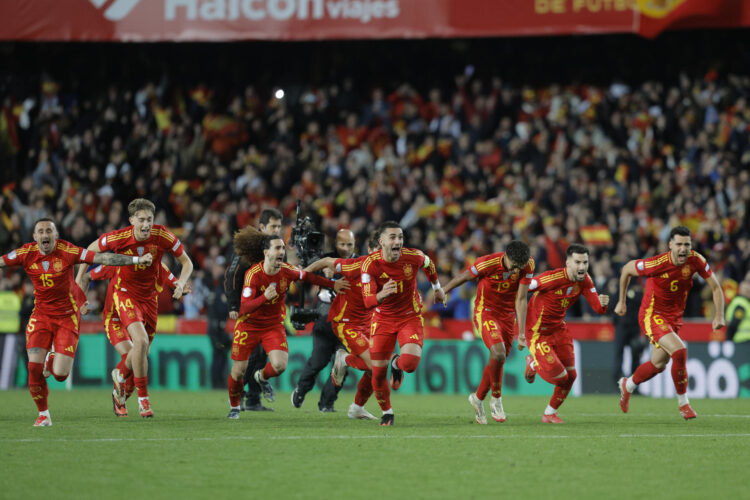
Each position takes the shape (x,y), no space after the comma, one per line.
(389,411)
(682,399)
(549,410)
(630,385)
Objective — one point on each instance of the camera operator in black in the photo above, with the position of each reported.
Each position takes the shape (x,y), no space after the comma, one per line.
(325,342)
(217,310)
(269,223)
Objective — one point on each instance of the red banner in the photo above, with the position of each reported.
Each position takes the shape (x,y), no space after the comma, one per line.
(223,20)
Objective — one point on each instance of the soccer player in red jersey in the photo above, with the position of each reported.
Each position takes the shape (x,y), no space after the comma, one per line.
(119,338)
(389,284)
(499,306)
(350,321)
(669,277)
(56,317)
(262,309)
(136,291)
(550,345)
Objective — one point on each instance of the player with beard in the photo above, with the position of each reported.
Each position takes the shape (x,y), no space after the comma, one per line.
(262,309)
(56,317)
(350,320)
(389,284)
(549,342)
(669,278)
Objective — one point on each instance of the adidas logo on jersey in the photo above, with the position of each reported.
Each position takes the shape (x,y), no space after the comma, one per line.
(70,349)
(384,275)
(414,337)
(559,292)
(665,276)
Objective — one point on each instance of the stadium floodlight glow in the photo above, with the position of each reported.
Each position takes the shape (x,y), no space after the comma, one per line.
(279,94)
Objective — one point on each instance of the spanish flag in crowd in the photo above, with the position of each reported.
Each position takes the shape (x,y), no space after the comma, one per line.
(597,234)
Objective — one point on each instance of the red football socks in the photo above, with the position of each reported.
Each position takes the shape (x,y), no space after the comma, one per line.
(38,385)
(125,372)
(562,389)
(364,389)
(141,385)
(356,362)
(380,387)
(269,372)
(129,386)
(235,390)
(646,371)
(679,371)
(407,362)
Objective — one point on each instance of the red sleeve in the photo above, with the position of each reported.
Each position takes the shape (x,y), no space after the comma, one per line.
(166,277)
(15,258)
(250,305)
(429,269)
(351,269)
(528,272)
(107,243)
(483,265)
(652,265)
(103,272)
(369,289)
(589,292)
(86,255)
(314,279)
(170,242)
(701,266)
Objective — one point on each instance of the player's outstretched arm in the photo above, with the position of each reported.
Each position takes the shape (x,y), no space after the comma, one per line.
(458,281)
(185,272)
(118,259)
(522,301)
(94,248)
(319,265)
(627,272)
(718,298)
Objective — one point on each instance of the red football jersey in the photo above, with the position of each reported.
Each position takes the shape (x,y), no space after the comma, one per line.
(110,273)
(497,287)
(271,313)
(406,302)
(55,289)
(668,285)
(350,307)
(553,294)
(140,280)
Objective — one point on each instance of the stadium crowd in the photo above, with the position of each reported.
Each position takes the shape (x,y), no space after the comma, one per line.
(465,162)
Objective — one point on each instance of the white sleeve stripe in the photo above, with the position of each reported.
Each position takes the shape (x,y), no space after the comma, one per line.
(176,245)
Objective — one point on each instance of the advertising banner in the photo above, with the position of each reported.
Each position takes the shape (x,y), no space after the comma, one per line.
(223,20)
(182,362)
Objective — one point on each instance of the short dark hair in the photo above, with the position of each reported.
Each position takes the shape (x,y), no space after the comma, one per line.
(679,231)
(576,248)
(267,239)
(269,213)
(373,241)
(42,219)
(389,224)
(518,252)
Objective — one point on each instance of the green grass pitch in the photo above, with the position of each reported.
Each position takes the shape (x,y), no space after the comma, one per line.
(435,450)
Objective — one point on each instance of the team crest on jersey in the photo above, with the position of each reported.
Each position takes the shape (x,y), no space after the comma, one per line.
(283,284)
(131,314)
(575,288)
(361,342)
(550,358)
(408,270)
(57,265)
(686,271)
(45,265)
(663,327)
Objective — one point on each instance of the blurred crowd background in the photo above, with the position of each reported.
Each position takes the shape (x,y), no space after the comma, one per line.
(606,141)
